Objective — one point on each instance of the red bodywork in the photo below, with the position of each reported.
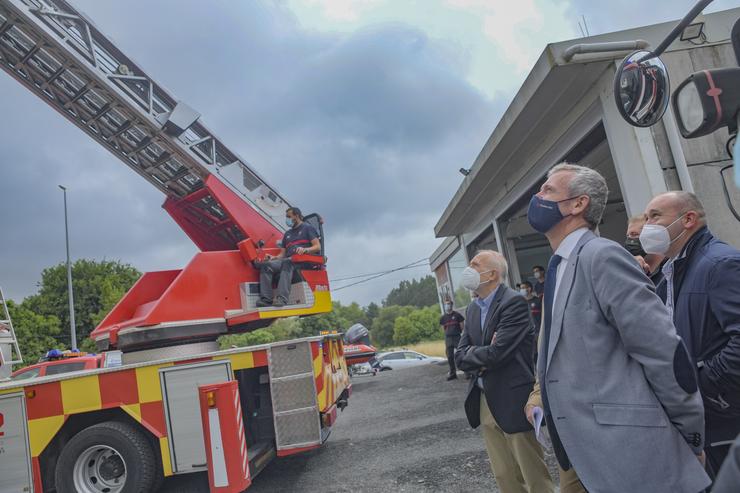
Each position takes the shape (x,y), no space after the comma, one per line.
(358,353)
(209,285)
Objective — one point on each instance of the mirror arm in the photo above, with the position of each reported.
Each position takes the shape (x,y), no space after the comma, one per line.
(676,32)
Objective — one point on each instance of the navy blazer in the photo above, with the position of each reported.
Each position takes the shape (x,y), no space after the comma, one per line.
(506,366)
(706,314)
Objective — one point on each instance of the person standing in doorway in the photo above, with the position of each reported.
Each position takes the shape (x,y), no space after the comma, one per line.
(452,324)
(535,303)
(539,280)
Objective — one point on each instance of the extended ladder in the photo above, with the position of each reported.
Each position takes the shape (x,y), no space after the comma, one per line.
(7,335)
(57,53)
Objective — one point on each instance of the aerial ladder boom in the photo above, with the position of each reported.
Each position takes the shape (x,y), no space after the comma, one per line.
(226,208)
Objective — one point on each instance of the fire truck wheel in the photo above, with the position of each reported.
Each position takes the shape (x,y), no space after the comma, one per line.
(109,457)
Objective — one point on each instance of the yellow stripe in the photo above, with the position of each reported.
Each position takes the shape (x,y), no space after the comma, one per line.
(41,431)
(322,304)
(164,447)
(134,410)
(147,381)
(80,394)
(239,361)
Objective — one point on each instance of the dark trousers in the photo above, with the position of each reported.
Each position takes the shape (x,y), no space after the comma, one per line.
(282,267)
(451,343)
(715,457)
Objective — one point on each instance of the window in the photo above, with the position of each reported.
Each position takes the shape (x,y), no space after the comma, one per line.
(392,356)
(65,368)
(456,264)
(26,374)
(410,355)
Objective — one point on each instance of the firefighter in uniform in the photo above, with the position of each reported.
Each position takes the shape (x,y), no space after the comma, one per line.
(451,323)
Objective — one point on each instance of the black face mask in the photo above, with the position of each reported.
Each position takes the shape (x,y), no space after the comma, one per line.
(634,246)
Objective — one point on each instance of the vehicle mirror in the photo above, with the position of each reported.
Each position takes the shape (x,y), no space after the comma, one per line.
(707,100)
(641,89)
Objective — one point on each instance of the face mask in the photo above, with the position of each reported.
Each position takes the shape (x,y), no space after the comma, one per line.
(656,239)
(470,278)
(289,222)
(538,275)
(448,308)
(523,292)
(634,246)
(543,214)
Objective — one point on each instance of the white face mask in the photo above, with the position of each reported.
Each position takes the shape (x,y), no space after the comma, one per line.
(523,292)
(470,278)
(656,239)
(538,275)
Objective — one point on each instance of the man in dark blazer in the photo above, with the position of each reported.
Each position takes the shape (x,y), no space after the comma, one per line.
(498,346)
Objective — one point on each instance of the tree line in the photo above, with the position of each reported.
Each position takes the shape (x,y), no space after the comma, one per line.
(408,314)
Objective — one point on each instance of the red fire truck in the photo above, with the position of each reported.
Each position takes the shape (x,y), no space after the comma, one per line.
(166,400)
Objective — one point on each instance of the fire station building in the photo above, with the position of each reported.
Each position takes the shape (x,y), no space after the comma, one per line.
(565,111)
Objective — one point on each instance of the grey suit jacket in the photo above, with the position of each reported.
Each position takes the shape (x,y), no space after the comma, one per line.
(622,392)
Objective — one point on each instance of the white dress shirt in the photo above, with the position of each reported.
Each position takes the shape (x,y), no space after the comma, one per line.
(565,248)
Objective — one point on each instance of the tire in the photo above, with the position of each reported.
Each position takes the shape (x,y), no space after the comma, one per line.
(109,457)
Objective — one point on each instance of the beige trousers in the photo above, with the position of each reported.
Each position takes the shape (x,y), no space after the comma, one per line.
(569,482)
(517,460)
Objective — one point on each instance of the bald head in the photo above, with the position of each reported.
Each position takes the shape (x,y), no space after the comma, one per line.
(681,212)
(492,260)
(678,202)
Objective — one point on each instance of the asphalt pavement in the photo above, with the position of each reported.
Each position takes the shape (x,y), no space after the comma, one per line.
(404,430)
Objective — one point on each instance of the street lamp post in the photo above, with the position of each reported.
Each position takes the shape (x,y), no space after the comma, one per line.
(73,331)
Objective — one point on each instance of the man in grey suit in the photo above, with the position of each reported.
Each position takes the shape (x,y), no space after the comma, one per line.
(618,389)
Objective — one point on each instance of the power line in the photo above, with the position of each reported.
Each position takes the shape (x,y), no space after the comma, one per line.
(412,264)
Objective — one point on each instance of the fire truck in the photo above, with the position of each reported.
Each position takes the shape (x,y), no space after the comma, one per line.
(165,399)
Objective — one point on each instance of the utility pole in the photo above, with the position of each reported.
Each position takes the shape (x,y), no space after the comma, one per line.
(72,329)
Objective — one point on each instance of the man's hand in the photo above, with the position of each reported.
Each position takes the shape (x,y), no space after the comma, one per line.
(529,412)
(643,264)
(300,250)
(268,256)
(702,458)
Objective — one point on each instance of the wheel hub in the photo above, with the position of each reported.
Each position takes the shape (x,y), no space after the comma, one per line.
(100,469)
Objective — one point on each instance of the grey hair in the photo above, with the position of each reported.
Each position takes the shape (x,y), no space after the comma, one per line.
(589,182)
(501,265)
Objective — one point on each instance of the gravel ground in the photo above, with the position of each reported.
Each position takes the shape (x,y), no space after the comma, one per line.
(404,430)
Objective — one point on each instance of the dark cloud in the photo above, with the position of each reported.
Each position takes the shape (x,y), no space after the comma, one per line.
(367,128)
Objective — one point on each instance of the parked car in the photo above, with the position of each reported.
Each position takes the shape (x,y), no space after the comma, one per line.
(403,358)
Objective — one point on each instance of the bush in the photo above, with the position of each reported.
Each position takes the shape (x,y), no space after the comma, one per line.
(419,325)
(259,336)
(381,334)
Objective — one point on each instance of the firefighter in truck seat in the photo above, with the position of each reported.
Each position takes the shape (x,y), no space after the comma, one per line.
(300,239)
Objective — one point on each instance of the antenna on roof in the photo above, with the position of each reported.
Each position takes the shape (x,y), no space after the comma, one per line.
(585,25)
(580,28)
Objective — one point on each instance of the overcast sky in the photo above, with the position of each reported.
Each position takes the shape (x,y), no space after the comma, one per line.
(361,110)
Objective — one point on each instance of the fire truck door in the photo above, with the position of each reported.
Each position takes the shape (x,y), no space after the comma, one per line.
(15,456)
(182,410)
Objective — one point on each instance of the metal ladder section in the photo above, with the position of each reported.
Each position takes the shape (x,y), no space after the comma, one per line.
(293,392)
(59,55)
(7,336)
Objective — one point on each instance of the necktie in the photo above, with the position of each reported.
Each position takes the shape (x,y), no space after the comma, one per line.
(550,280)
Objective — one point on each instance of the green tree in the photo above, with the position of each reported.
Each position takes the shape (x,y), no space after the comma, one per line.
(419,325)
(381,334)
(350,315)
(36,333)
(254,338)
(419,293)
(313,325)
(97,287)
(371,313)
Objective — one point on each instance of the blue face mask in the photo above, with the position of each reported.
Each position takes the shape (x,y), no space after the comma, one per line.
(289,222)
(543,214)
